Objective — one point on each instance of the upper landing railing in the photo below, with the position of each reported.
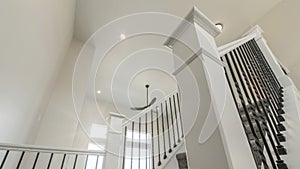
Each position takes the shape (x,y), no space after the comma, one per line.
(152,137)
(258,97)
(37,157)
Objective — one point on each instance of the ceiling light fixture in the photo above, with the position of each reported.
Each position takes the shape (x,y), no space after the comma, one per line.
(219,26)
(122,36)
(98,91)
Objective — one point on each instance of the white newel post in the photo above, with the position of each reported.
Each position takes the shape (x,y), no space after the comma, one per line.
(212,141)
(114,142)
(262,43)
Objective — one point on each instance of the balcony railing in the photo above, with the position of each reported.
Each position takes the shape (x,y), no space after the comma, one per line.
(37,157)
(153,137)
(258,96)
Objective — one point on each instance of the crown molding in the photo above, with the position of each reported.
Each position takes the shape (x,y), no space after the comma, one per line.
(194,16)
(256,31)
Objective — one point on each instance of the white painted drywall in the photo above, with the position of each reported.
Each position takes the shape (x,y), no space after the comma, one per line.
(35,36)
(59,122)
(280,26)
(236,15)
(59,125)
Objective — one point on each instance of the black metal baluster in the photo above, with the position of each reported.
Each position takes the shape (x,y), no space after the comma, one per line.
(20,160)
(274,90)
(267,64)
(262,95)
(279,149)
(146,131)
(180,116)
(163,130)
(4,159)
(266,88)
(97,161)
(276,86)
(75,161)
(86,160)
(172,122)
(260,114)
(152,144)
(257,117)
(273,112)
(268,72)
(35,160)
(132,137)
(124,148)
(257,143)
(237,106)
(63,162)
(268,79)
(158,141)
(140,142)
(256,86)
(169,137)
(261,79)
(50,160)
(175,112)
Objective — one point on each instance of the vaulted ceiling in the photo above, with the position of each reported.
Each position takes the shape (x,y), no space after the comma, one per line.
(236,15)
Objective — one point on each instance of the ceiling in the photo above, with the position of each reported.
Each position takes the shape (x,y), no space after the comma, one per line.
(123,73)
(236,15)
(116,78)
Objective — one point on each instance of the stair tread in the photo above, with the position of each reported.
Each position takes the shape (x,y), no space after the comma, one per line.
(182,160)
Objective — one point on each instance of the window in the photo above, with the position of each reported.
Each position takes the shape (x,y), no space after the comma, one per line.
(145,154)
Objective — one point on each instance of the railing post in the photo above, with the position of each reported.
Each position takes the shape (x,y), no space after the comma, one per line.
(262,43)
(113,158)
(202,83)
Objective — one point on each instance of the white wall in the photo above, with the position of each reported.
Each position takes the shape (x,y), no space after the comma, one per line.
(280,26)
(59,122)
(35,36)
(59,125)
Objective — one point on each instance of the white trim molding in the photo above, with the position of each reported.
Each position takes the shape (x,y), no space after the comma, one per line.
(256,31)
(194,16)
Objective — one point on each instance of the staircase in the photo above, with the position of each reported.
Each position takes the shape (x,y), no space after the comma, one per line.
(259,99)
(250,136)
(182,161)
(153,137)
(254,131)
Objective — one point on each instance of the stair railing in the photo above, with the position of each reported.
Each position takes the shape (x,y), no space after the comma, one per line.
(258,96)
(154,135)
(18,156)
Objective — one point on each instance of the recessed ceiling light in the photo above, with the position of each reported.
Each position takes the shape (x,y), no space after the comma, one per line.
(122,36)
(219,26)
(98,91)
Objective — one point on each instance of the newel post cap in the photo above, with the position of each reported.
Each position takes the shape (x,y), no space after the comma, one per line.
(195,16)
(256,30)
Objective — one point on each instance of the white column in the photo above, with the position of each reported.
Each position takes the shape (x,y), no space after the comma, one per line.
(262,43)
(212,141)
(114,142)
